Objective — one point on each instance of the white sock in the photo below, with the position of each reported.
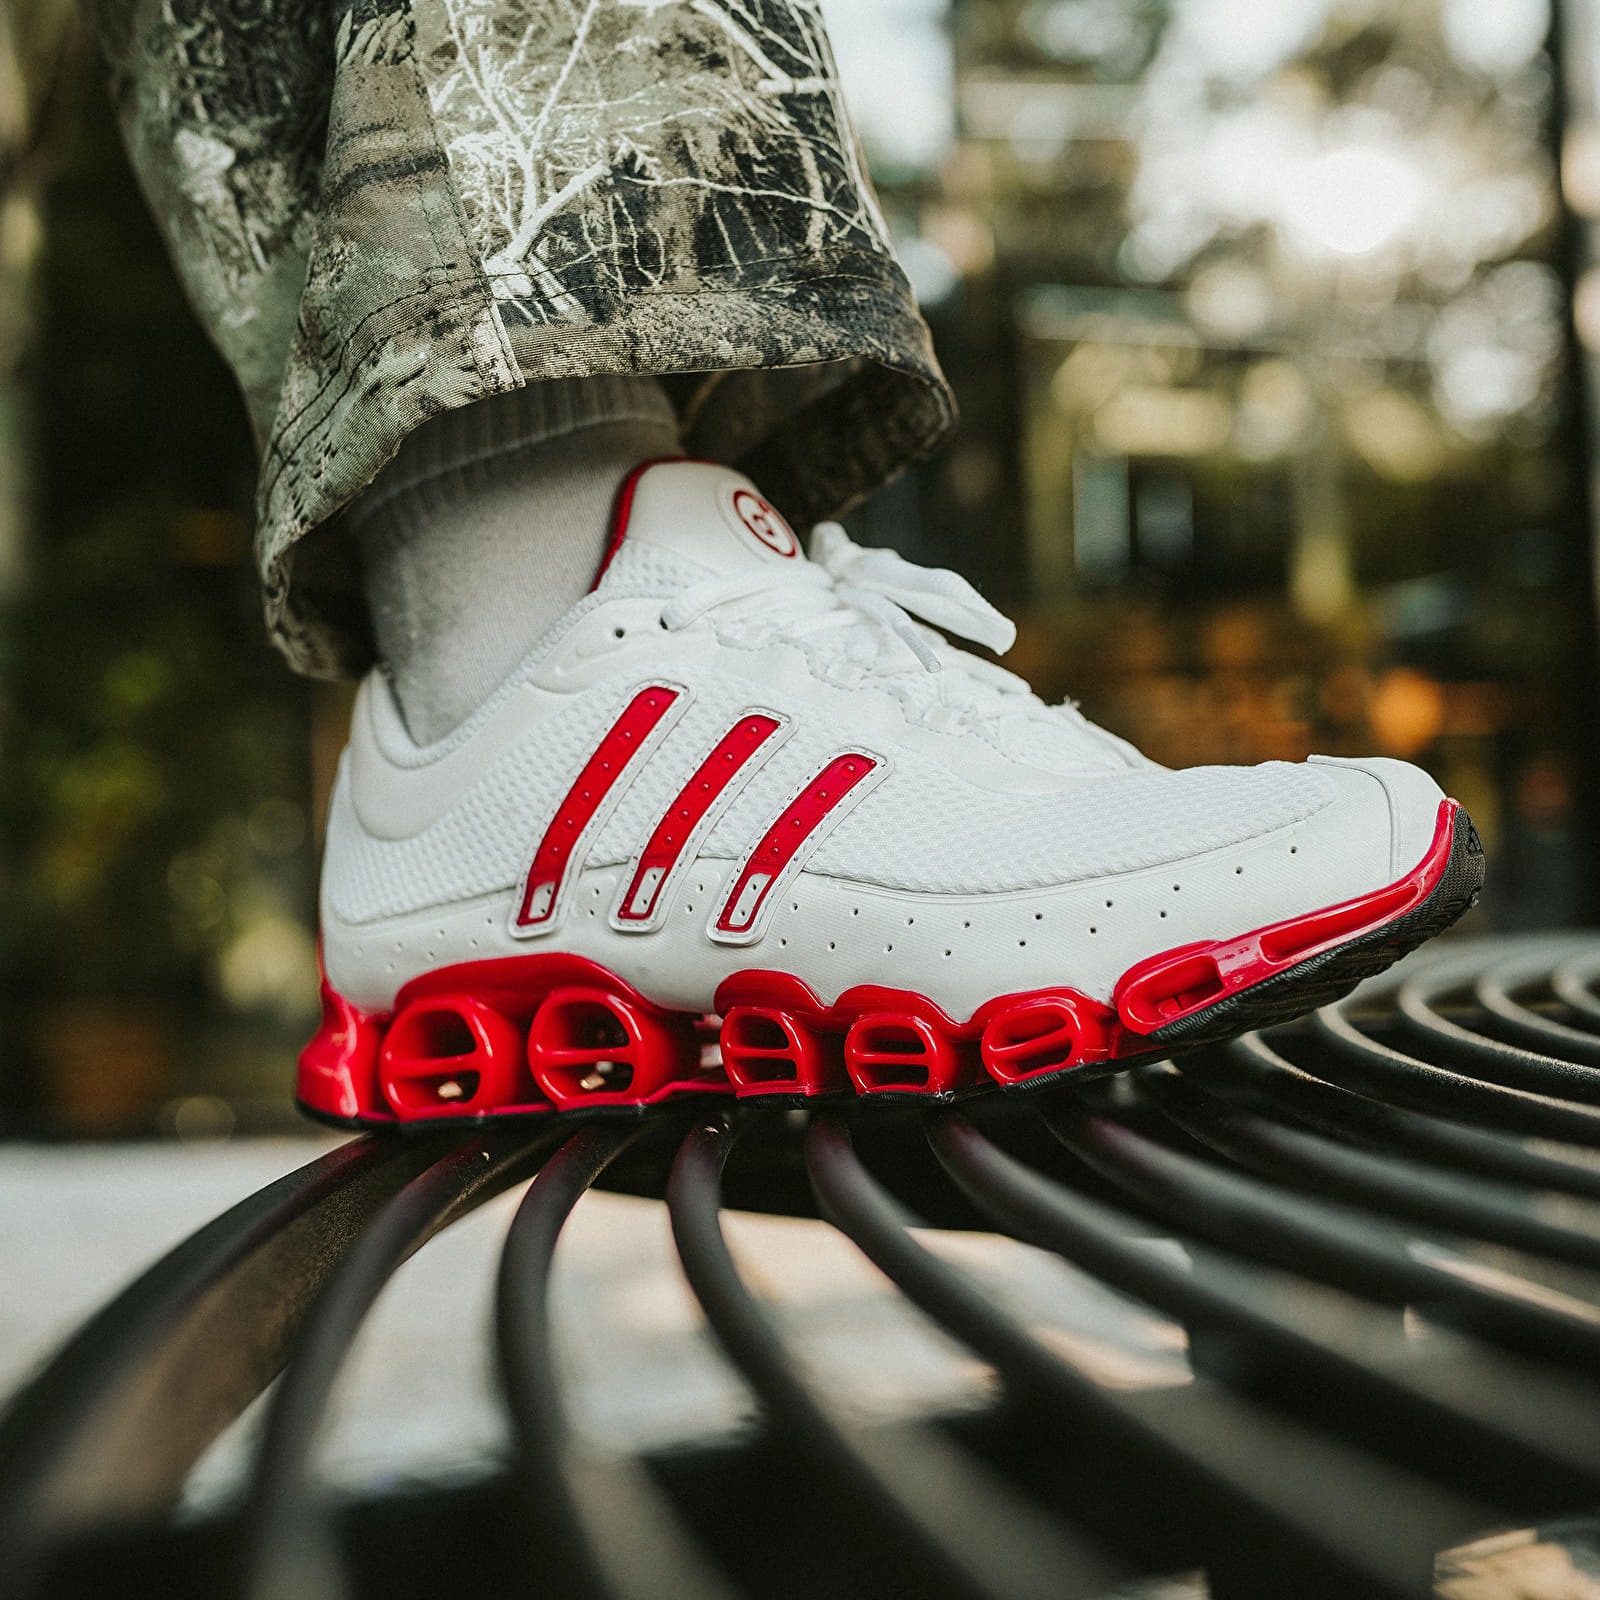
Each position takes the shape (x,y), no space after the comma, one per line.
(488,525)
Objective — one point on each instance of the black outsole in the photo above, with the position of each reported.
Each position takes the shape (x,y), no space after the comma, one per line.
(1318,981)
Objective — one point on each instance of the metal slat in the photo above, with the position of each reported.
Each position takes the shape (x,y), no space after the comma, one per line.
(1263,1077)
(596,1528)
(289,1551)
(1416,1006)
(1378,1070)
(1311,1505)
(960,1533)
(1334,1243)
(1496,992)
(1572,984)
(1478,1207)
(110,1428)
(1344,1358)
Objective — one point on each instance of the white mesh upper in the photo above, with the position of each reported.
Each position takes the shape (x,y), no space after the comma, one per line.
(922,829)
(925,828)
(481,843)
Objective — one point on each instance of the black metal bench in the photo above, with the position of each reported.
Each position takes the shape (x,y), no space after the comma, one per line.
(1389,1279)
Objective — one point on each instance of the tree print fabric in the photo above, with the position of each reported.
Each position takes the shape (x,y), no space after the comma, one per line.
(381,210)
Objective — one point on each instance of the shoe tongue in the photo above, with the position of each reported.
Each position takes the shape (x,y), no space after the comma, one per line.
(703,513)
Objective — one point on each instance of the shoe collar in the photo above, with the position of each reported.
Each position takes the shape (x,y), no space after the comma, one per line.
(703,513)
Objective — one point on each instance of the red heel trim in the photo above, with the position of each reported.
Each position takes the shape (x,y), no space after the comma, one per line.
(338,1074)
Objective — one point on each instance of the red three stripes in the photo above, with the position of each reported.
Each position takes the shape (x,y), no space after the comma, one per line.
(554,859)
(685,815)
(784,840)
(685,821)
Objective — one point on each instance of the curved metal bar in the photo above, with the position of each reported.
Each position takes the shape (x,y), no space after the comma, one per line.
(960,1533)
(1572,983)
(288,1550)
(1333,1244)
(1378,1070)
(1478,1207)
(110,1428)
(1309,1503)
(1507,1064)
(1346,1360)
(1496,989)
(1269,1079)
(603,1529)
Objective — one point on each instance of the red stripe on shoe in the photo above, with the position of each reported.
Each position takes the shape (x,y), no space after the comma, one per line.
(554,859)
(798,829)
(685,818)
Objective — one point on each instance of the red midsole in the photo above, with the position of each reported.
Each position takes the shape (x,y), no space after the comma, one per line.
(552,1031)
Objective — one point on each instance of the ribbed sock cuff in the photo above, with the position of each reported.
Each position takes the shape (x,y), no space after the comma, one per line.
(503,423)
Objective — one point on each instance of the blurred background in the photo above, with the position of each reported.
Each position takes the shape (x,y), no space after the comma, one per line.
(1273,331)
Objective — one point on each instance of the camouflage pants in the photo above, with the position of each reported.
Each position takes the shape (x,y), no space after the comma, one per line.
(386,208)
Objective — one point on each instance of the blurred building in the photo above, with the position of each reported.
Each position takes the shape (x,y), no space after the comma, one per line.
(1259,318)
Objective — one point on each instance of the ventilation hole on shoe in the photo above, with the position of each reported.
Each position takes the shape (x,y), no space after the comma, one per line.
(831,945)
(619,633)
(783,942)
(699,888)
(882,1041)
(1022,944)
(761,1033)
(966,924)
(1176,887)
(439,934)
(1294,849)
(795,906)
(439,1035)
(688,911)
(947,954)
(910,921)
(855,911)
(1163,913)
(1094,930)
(888,949)
(586,1025)
(661,623)
(472,942)
(1238,872)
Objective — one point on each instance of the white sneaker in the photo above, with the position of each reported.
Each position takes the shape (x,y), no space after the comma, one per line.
(734,783)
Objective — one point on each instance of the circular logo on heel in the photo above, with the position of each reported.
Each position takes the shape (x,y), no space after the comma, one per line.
(763,522)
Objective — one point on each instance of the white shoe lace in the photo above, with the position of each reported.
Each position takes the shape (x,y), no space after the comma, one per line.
(868,600)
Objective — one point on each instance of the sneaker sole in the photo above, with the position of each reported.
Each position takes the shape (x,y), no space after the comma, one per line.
(550,1033)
